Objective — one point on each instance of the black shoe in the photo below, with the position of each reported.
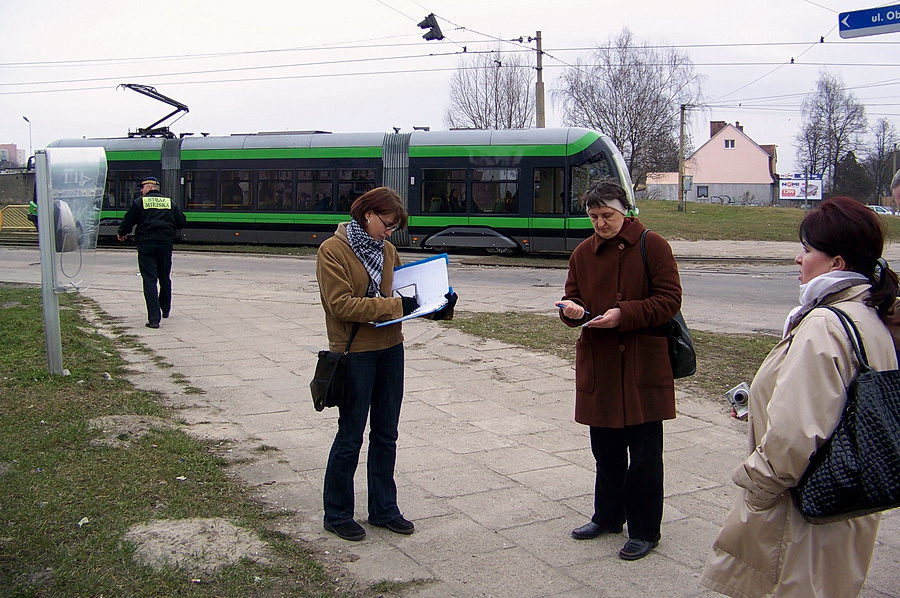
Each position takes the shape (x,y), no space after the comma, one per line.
(398,525)
(349,530)
(636,549)
(165,314)
(152,324)
(591,530)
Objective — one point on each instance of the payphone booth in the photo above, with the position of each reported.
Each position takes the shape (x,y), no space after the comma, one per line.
(69,185)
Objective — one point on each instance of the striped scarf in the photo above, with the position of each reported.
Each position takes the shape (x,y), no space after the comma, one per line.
(370,252)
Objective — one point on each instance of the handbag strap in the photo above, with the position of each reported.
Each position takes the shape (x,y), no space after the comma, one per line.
(352,336)
(644,257)
(855,339)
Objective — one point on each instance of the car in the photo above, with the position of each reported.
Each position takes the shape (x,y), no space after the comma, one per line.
(880,209)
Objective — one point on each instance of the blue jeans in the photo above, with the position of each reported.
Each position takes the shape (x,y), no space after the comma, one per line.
(376,379)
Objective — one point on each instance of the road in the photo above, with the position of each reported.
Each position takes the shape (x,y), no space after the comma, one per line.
(717,297)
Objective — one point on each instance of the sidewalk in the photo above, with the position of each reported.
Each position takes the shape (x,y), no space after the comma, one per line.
(491,467)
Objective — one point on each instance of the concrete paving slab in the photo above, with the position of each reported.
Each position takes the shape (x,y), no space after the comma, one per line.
(490,466)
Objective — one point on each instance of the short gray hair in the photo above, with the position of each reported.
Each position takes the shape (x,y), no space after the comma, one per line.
(895,182)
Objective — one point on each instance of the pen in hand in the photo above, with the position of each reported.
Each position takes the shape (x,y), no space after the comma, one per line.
(562,306)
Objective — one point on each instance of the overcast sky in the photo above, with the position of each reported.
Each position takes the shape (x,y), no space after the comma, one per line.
(275,65)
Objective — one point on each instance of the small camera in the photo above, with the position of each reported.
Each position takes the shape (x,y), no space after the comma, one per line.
(739,396)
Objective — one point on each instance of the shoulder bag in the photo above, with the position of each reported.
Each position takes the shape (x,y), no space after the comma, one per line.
(857,470)
(330,386)
(681,346)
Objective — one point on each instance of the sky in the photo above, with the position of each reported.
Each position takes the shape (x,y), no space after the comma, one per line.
(362,65)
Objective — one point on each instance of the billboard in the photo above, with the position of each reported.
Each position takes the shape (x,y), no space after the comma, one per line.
(800,187)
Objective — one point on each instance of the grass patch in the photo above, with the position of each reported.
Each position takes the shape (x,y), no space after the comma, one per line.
(723,360)
(66,504)
(712,222)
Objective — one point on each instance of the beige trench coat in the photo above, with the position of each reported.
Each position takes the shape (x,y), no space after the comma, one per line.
(765,547)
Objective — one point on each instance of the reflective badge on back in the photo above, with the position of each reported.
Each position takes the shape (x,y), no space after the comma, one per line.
(157,203)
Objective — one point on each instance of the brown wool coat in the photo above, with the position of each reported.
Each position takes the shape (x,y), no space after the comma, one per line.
(622,375)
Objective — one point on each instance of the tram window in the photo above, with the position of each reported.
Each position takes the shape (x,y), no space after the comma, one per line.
(198,189)
(236,190)
(274,190)
(126,189)
(443,190)
(351,184)
(549,193)
(583,174)
(314,190)
(495,190)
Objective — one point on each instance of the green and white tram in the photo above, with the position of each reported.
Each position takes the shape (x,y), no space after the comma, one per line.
(505,191)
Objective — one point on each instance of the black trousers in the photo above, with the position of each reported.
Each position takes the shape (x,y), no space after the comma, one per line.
(155,264)
(629,486)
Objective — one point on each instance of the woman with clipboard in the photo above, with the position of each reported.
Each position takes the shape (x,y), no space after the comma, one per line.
(355,270)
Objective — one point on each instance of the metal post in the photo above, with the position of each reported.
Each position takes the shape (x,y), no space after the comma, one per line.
(681,144)
(29,136)
(540,122)
(46,230)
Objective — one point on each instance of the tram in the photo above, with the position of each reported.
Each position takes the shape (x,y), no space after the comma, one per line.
(503,191)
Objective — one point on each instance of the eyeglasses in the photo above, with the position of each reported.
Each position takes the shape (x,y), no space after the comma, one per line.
(388,227)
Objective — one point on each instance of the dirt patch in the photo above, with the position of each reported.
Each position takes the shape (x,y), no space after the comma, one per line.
(195,545)
(120,430)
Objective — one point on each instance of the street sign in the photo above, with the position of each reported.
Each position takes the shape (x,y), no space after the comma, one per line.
(870,21)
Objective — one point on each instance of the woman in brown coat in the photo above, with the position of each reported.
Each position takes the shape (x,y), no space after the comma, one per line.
(623,381)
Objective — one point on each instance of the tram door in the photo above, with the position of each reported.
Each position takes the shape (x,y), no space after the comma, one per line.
(548,211)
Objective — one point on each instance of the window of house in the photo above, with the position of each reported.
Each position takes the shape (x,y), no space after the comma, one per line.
(729,144)
(495,190)
(702,191)
(443,190)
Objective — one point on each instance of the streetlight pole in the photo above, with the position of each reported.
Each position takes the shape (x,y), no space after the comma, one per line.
(29,136)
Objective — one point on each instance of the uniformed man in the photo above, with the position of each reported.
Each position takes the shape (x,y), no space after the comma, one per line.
(155,220)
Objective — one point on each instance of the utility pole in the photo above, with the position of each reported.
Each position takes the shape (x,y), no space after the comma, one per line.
(540,123)
(681,145)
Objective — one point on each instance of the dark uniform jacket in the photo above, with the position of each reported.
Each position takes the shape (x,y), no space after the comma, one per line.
(622,375)
(157,218)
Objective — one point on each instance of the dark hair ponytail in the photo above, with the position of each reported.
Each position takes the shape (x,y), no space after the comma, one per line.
(843,226)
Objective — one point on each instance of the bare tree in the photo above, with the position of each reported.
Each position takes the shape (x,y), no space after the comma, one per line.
(631,92)
(878,160)
(833,125)
(492,91)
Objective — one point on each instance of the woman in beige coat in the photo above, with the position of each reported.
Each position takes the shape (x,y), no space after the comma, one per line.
(765,547)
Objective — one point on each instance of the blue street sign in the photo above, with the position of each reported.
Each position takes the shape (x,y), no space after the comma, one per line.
(870,21)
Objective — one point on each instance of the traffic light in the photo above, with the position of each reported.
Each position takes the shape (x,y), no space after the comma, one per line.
(435,31)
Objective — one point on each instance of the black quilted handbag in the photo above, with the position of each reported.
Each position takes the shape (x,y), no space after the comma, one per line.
(857,470)
(681,346)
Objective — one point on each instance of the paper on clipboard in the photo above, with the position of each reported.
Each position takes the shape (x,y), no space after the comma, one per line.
(428,279)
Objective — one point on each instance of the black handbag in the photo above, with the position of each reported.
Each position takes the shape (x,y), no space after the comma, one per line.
(681,346)
(857,470)
(330,386)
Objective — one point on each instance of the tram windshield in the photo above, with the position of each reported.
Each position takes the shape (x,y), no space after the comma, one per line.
(598,167)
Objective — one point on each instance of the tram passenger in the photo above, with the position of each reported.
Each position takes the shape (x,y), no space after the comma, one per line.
(624,388)
(355,269)
(155,220)
(323,202)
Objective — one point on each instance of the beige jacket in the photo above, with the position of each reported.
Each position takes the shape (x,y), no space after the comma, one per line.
(343,282)
(765,547)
